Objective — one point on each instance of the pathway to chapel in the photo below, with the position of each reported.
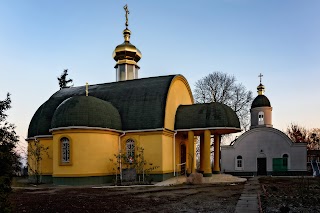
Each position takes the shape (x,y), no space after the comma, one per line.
(248,201)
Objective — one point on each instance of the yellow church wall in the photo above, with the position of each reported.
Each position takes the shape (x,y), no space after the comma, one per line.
(90,153)
(167,153)
(45,163)
(158,149)
(179,94)
(151,142)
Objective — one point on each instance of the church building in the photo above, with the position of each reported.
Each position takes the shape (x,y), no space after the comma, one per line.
(84,127)
(263,150)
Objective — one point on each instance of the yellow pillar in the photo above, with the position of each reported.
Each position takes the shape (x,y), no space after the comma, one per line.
(206,153)
(191,152)
(216,166)
(201,152)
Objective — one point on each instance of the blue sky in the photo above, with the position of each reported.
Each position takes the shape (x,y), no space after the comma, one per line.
(281,39)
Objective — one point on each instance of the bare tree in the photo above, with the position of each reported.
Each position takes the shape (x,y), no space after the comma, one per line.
(36,150)
(299,134)
(63,82)
(223,88)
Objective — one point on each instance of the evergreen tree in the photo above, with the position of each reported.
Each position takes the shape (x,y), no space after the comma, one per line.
(63,82)
(9,160)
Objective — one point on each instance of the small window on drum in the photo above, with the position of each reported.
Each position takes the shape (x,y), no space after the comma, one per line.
(261,118)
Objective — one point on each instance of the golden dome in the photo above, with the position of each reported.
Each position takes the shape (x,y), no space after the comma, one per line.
(260,89)
(126,52)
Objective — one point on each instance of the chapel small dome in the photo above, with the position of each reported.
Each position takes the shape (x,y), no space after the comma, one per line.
(260,101)
(86,111)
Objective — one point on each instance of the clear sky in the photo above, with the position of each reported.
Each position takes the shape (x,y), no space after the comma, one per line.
(281,39)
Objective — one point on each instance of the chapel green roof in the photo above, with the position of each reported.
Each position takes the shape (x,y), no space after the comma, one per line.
(141,103)
(86,111)
(260,101)
(208,115)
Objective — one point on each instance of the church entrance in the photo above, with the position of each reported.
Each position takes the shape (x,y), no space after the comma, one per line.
(183,158)
(261,166)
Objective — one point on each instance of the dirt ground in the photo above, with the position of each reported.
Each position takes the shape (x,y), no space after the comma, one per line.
(181,198)
(300,194)
(277,194)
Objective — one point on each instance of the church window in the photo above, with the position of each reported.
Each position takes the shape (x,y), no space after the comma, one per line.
(130,148)
(65,150)
(261,118)
(239,162)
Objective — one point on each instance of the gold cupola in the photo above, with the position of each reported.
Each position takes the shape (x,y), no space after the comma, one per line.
(127,56)
(260,88)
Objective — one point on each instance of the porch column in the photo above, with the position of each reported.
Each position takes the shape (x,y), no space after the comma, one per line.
(201,152)
(191,152)
(206,148)
(216,166)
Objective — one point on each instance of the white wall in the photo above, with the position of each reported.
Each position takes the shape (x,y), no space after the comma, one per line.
(263,142)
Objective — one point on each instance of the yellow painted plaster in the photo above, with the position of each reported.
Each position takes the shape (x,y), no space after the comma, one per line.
(179,94)
(90,152)
(45,164)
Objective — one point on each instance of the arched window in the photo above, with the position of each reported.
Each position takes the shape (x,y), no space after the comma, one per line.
(261,118)
(130,147)
(285,160)
(239,162)
(65,150)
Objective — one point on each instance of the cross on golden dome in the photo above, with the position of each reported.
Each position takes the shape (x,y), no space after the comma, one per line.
(260,76)
(260,88)
(127,12)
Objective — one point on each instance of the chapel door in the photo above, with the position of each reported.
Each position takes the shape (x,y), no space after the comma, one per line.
(183,158)
(261,166)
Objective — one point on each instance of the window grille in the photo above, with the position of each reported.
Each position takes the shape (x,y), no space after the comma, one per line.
(65,150)
(130,148)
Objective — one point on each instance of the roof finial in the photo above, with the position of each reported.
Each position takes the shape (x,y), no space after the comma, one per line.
(260,88)
(126,32)
(260,76)
(127,12)
(87,89)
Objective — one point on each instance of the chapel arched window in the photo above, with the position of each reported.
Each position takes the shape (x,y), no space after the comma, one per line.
(285,160)
(65,150)
(239,162)
(130,148)
(261,118)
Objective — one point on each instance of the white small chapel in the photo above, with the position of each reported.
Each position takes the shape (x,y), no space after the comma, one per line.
(263,150)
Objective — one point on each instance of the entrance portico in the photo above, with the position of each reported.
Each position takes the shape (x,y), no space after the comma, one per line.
(205,120)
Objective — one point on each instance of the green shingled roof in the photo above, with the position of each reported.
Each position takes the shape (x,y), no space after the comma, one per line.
(141,103)
(86,111)
(260,101)
(208,115)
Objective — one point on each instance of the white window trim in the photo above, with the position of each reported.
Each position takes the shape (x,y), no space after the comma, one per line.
(261,119)
(236,163)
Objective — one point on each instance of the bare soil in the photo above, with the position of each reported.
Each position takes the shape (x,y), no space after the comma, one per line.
(181,198)
(280,194)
